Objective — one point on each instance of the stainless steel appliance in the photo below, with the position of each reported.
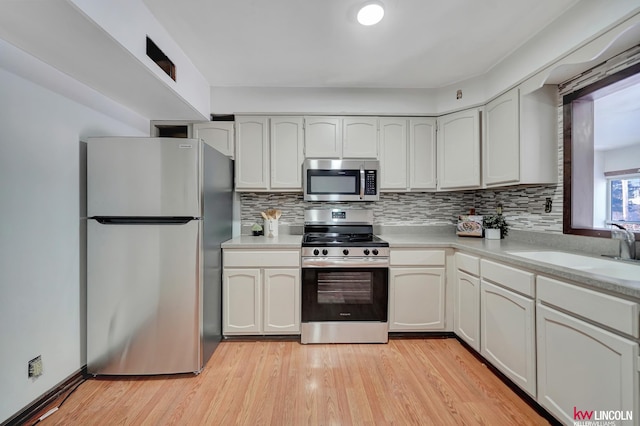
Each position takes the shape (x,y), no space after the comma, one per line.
(158,210)
(345,278)
(341,180)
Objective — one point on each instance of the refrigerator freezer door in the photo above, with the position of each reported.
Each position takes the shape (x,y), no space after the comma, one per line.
(143,177)
(143,298)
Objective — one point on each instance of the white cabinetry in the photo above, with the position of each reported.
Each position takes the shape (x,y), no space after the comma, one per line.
(417,290)
(582,366)
(502,142)
(360,137)
(459,150)
(323,137)
(261,292)
(521,145)
(408,153)
(252,153)
(286,153)
(341,137)
(466,321)
(218,134)
(269,153)
(507,322)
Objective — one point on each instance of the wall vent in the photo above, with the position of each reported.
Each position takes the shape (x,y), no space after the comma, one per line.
(162,60)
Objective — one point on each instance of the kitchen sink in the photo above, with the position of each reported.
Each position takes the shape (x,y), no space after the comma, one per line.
(606,267)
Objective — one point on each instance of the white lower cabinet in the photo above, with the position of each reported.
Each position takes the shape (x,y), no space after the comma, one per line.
(584,369)
(466,310)
(264,299)
(507,331)
(417,290)
(281,301)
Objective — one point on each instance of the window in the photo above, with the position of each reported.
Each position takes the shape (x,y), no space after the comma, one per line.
(623,201)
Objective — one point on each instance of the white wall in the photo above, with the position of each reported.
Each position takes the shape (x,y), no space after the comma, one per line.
(301,100)
(42,289)
(622,158)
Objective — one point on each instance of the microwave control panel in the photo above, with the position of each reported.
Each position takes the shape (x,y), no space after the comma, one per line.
(370,179)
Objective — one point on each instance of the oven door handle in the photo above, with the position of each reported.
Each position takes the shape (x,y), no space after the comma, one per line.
(359,262)
(362,181)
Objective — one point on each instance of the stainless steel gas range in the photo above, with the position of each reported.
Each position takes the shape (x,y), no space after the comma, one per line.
(345,278)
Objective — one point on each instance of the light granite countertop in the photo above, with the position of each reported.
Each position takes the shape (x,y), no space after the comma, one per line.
(283,241)
(489,249)
(498,250)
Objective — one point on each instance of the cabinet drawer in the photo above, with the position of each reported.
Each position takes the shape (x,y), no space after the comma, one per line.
(619,314)
(417,257)
(257,258)
(516,279)
(468,263)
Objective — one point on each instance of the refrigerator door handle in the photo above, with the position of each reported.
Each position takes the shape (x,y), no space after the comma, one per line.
(176,220)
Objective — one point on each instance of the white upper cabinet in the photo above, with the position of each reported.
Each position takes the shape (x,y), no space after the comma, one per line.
(408,153)
(501,153)
(269,153)
(323,137)
(360,137)
(393,154)
(459,150)
(218,134)
(422,153)
(252,153)
(341,137)
(521,143)
(286,152)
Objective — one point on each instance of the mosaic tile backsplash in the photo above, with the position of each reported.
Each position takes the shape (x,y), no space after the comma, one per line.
(523,207)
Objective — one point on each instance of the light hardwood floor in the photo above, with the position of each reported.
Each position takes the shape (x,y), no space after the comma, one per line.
(405,382)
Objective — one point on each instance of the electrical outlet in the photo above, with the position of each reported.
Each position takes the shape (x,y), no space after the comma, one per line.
(35,367)
(547,205)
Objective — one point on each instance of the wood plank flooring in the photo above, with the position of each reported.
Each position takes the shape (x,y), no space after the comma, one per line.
(405,382)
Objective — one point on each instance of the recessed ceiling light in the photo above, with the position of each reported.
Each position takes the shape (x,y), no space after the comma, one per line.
(370,13)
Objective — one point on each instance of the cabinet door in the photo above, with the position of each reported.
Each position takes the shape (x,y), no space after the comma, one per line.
(393,153)
(360,137)
(416,299)
(422,149)
(286,153)
(252,153)
(281,301)
(459,150)
(467,309)
(241,295)
(584,368)
(322,137)
(507,334)
(502,142)
(218,134)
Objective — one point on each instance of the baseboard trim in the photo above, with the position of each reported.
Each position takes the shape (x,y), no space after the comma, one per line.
(39,405)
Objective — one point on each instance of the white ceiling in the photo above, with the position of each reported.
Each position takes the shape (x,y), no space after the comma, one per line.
(318,43)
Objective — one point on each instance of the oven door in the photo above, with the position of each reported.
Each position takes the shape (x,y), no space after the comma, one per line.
(345,294)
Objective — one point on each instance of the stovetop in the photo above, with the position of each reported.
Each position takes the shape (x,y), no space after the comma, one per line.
(342,240)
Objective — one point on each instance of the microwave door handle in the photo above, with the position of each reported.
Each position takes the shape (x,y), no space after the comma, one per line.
(362,182)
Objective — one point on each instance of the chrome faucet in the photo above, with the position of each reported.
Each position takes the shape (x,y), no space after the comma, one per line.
(627,241)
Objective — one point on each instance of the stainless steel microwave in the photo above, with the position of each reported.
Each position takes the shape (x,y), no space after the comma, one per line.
(341,180)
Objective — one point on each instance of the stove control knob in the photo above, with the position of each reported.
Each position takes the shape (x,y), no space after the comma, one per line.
(366,252)
(375,252)
(345,252)
(325,252)
(316,252)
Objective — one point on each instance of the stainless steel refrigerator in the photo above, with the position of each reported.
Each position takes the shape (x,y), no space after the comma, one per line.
(158,210)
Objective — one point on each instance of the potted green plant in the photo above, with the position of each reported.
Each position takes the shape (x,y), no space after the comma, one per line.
(256,229)
(495,227)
